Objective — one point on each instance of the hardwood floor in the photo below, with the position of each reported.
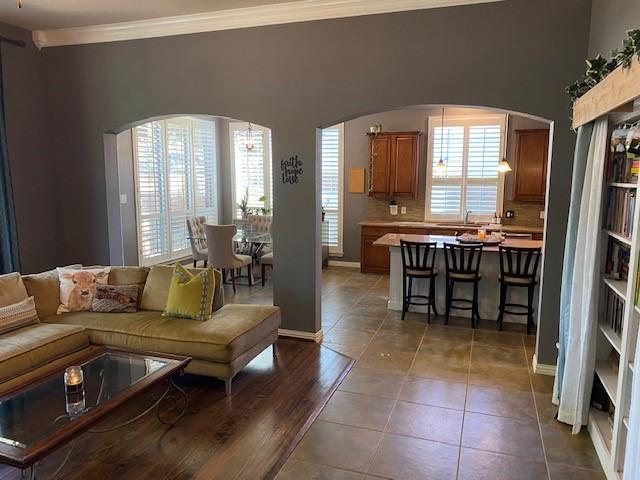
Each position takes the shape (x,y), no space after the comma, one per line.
(246,436)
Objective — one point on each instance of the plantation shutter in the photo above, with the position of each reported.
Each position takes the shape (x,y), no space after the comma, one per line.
(175,170)
(151,191)
(179,172)
(252,167)
(471,150)
(482,174)
(331,152)
(446,191)
(205,175)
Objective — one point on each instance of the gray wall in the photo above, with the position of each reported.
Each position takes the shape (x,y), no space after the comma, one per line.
(516,55)
(27,129)
(610,20)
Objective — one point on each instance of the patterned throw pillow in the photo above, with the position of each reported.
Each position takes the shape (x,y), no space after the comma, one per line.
(190,296)
(77,287)
(115,299)
(18,315)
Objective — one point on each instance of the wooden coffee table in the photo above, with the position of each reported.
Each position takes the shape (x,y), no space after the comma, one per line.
(40,417)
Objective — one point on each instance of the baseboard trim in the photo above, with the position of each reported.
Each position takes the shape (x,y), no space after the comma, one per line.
(542,369)
(316,337)
(340,263)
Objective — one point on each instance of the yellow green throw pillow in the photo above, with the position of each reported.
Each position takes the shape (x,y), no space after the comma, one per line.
(190,296)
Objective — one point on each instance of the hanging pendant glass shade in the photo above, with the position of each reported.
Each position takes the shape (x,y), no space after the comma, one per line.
(249,145)
(503,166)
(440,169)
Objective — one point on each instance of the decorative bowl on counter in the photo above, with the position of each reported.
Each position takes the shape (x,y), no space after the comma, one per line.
(494,238)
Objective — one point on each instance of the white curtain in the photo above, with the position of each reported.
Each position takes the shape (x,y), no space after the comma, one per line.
(577,378)
(632,452)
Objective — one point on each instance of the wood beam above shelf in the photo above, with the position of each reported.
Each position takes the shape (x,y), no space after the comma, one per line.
(615,93)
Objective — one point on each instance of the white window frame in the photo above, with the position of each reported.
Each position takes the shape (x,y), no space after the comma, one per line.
(267,168)
(180,254)
(338,250)
(465,121)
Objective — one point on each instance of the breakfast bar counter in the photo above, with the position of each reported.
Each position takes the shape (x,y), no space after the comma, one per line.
(489,289)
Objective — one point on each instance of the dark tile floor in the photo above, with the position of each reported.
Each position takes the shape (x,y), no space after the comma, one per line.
(429,401)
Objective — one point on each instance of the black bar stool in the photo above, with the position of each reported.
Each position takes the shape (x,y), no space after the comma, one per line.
(462,262)
(418,261)
(518,268)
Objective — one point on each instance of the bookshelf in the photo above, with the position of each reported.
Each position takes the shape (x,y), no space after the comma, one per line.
(619,314)
(617,98)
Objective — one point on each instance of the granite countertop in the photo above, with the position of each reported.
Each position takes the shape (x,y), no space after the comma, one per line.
(453,225)
(393,240)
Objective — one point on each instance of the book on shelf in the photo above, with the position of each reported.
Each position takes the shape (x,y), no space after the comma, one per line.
(617,260)
(614,312)
(636,296)
(620,207)
(623,165)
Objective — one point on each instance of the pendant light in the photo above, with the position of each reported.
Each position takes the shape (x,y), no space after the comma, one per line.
(503,166)
(440,168)
(249,145)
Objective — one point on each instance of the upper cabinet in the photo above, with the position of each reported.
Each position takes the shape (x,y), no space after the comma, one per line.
(530,176)
(393,164)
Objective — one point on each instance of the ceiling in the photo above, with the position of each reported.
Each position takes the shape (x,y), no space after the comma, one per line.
(53,14)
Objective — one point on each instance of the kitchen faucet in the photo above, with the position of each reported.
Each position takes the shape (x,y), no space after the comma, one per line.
(466,216)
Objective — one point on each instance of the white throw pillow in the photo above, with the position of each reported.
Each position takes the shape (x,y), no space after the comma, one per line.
(78,287)
(18,315)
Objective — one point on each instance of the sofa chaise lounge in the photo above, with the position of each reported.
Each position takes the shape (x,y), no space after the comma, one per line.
(219,347)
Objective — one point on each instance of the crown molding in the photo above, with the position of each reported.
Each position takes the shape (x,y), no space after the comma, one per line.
(274,14)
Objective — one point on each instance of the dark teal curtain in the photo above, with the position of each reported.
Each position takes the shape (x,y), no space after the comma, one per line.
(9,258)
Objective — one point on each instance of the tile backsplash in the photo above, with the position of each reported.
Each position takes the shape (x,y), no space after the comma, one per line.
(526,214)
(378,210)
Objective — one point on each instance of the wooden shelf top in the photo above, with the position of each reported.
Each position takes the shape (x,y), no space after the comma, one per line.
(613,94)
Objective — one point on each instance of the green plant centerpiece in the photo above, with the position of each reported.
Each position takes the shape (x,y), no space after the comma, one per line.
(244,205)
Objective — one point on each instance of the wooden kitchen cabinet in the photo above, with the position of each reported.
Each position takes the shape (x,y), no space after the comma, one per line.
(393,164)
(374,259)
(530,172)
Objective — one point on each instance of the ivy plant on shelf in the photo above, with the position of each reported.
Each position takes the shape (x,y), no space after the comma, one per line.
(599,67)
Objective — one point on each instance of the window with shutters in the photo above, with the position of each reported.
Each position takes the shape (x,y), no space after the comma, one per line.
(471,148)
(175,170)
(251,168)
(332,160)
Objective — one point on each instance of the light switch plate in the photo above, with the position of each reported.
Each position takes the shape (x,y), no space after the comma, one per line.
(541,214)
(123,199)
(403,210)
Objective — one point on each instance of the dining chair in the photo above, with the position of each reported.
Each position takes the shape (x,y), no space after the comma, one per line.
(260,224)
(266,259)
(195,228)
(222,254)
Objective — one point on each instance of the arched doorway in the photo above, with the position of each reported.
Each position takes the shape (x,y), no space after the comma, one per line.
(355,305)
(165,172)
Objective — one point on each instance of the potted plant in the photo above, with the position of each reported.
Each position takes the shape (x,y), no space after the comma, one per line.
(264,210)
(244,205)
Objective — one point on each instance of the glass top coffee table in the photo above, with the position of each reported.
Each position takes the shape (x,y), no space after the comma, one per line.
(41,416)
